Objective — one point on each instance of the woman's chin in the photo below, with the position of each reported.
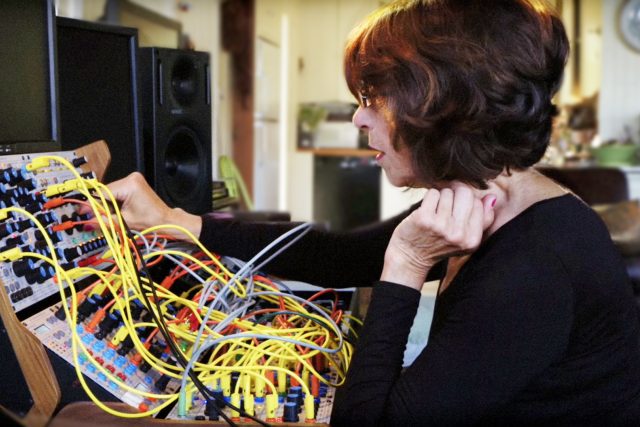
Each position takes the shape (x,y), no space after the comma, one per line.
(397,181)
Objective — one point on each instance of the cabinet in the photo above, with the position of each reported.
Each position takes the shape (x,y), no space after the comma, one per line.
(346,191)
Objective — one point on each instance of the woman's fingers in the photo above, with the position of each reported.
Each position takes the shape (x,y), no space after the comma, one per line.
(449,222)
(488,204)
(456,216)
(445,203)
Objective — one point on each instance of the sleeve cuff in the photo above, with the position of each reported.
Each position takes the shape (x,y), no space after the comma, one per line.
(395,290)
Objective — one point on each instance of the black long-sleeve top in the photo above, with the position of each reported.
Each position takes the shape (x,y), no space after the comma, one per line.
(331,259)
(539,327)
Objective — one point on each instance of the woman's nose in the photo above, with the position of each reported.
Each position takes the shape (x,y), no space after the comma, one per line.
(359,119)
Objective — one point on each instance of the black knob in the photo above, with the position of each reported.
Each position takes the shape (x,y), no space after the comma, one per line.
(22,266)
(79,161)
(71,253)
(28,184)
(107,325)
(6,228)
(290,412)
(162,382)
(37,275)
(86,308)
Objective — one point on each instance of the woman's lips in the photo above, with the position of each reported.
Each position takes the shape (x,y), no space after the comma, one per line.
(379,155)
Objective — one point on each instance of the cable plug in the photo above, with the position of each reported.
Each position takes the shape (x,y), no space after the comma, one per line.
(97,318)
(118,337)
(68,185)
(235,401)
(249,404)
(225,384)
(55,189)
(99,289)
(37,163)
(54,203)
(271,404)
(63,226)
(309,408)
(282,382)
(10,254)
(259,387)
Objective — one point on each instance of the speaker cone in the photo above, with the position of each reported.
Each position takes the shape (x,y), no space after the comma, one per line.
(183,163)
(184,82)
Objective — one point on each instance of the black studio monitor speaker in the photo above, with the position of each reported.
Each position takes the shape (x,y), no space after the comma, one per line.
(98,83)
(176,105)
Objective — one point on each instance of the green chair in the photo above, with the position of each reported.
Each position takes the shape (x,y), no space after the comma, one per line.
(229,172)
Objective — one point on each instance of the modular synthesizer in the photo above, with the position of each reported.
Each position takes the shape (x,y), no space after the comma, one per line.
(164,325)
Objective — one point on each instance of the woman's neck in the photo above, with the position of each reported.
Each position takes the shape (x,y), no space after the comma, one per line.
(515,192)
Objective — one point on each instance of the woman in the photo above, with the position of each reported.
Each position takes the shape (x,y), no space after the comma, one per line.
(534,321)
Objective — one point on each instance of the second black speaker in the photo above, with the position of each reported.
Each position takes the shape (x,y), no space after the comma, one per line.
(176,126)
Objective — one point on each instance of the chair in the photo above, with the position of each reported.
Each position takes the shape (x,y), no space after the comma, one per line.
(235,184)
(594,185)
(237,189)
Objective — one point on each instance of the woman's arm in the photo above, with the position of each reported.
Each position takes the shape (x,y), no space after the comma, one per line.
(325,258)
(492,335)
(321,257)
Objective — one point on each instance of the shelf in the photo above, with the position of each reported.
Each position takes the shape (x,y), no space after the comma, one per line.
(339,152)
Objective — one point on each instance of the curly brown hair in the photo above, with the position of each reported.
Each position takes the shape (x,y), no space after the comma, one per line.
(469,83)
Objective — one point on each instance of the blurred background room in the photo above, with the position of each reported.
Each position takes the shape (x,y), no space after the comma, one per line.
(280,107)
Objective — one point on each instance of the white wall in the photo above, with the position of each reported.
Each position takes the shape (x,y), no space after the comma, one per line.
(394,200)
(319,30)
(591,46)
(299,183)
(620,89)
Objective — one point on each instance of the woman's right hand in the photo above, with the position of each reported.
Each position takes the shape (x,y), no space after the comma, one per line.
(142,208)
(449,222)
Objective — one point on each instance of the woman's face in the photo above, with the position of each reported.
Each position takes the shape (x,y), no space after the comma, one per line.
(375,121)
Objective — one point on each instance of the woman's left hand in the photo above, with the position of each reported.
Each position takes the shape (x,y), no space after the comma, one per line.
(449,222)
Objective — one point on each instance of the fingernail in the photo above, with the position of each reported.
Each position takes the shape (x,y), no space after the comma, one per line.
(88,227)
